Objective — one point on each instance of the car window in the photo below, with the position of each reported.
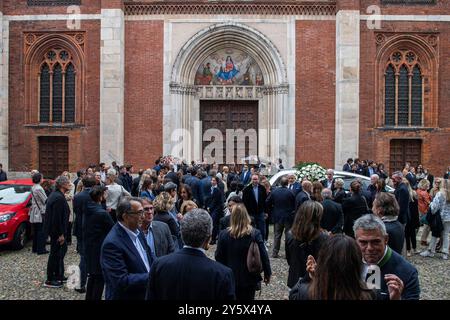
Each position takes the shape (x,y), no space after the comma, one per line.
(14,194)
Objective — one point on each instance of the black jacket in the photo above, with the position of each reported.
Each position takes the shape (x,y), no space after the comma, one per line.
(325,183)
(301,197)
(353,208)
(281,205)
(96,226)
(396,235)
(339,196)
(188,274)
(233,253)
(170,221)
(297,253)
(333,216)
(80,202)
(402,196)
(56,215)
(135,187)
(3,176)
(248,197)
(215,202)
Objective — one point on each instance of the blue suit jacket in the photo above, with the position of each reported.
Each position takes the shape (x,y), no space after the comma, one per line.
(281,203)
(124,271)
(188,274)
(296,188)
(245,177)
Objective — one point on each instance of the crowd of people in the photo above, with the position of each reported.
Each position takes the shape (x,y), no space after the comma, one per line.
(146,237)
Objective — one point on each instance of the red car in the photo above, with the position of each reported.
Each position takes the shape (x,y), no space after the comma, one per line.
(15,202)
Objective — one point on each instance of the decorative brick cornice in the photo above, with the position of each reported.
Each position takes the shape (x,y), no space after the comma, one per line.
(76,37)
(49,3)
(259,8)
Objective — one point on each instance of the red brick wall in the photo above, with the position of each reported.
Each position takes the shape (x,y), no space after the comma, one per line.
(375,143)
(441,7)
(19,7)
(315,91)
(23,141)
(143,92)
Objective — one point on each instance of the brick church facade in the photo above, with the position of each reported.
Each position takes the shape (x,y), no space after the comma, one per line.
(103,80)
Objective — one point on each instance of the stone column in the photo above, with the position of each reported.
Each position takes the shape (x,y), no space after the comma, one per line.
(4,62)
(347,86)
(112,84)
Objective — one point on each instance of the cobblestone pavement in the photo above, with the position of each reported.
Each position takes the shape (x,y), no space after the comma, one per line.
(22,274)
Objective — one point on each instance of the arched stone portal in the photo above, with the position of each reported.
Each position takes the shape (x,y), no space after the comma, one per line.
(276,120)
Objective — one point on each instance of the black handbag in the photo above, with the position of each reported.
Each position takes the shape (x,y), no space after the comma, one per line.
(435,223)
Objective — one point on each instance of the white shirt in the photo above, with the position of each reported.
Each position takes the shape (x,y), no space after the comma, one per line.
(113,194)
(134,238)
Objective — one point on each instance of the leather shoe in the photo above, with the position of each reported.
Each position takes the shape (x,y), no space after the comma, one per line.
(275,255)
(81,290)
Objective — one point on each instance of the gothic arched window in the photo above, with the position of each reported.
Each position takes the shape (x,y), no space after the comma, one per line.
(57,87)
(403,86)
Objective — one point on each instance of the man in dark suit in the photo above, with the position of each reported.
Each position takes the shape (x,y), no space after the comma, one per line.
(303,195)
(157,233)
(372,188)
(173,176)
(125,256)
(124,179)
(194,183)
(80,202)
(205,187)
(329,181)
(333,216)
(281,204)
(402,195)
(245,175)
(254,196)
(135,185)
(56,226)
(411,177)
(215,207)
(293,185)
(348,166)
(189,274)
(97,224)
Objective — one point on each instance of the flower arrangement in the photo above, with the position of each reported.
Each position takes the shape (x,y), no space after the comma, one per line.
(310,170)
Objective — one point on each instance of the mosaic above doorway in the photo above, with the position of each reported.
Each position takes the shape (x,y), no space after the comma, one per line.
(229,67)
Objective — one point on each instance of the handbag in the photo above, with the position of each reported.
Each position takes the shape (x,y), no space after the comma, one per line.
(369,211)
(435,223)
(254,263)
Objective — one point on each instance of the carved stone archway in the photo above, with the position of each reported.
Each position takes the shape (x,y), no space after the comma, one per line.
(182,115)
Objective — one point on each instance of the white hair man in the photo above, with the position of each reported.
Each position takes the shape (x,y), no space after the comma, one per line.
(328,182)
(372,238)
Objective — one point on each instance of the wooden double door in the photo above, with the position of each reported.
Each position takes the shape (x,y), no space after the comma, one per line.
(53,156)
(236,117)
(402,151)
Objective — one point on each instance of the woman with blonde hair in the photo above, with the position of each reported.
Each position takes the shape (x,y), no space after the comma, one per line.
(187,206)
(163,203)
(232,250)
(424,200)
(441,203)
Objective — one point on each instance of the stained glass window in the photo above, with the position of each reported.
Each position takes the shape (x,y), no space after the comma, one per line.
(44,110)
(70,94)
